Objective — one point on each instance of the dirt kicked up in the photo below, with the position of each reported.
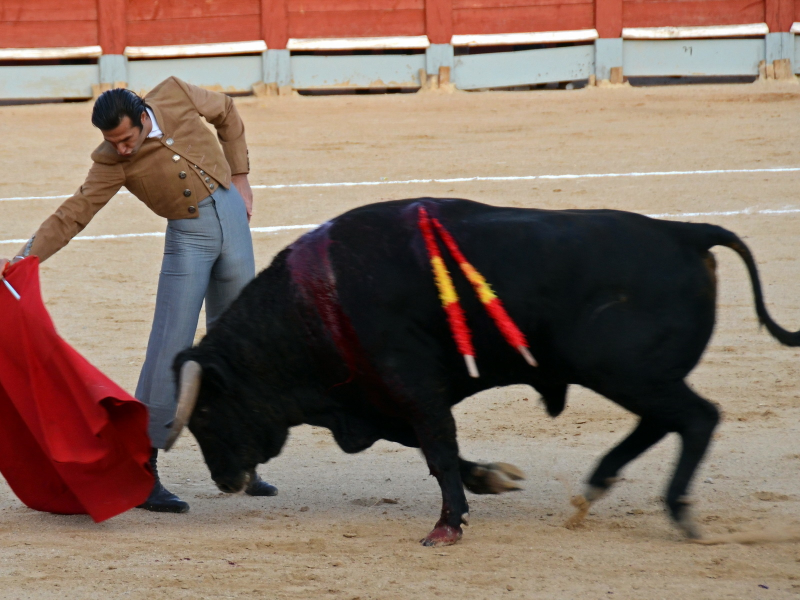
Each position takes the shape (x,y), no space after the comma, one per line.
(346,527)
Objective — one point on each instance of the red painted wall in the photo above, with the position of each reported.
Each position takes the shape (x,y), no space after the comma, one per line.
(114,24)
(48,23)
(641,13)
(355,18)
(168,22)
(518,16)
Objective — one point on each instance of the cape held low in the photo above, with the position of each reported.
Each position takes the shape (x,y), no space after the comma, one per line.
(71,440)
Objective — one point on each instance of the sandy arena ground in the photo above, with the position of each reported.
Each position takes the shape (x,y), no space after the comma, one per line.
(330,533)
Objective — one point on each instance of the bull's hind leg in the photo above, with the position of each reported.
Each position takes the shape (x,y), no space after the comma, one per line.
(646,434)
(672,407)
(695,424)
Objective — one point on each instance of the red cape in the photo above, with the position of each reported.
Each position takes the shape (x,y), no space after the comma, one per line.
(71,440)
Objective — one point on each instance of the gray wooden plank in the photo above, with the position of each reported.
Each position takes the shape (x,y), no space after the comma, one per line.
(525,67)
(356,71)
(48,81)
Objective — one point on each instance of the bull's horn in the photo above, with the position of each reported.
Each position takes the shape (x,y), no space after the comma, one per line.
(191,374)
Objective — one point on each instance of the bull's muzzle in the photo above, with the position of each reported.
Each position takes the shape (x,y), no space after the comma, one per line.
(189,389)
(238,484)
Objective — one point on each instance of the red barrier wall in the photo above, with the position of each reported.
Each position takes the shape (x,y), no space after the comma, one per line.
(516,16)
(646,13)
(160,22)
(355,18)
(48,23)
(114,24)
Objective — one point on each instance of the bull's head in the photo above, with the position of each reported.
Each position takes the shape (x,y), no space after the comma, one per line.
(218,421)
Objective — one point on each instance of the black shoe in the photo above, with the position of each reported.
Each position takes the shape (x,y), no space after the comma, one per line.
(161,499)
(259,487)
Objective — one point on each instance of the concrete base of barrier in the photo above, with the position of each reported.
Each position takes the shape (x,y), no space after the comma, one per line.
(113,68)
(277,67)
(439,55)
(796,64)
(607,55)
(779,46)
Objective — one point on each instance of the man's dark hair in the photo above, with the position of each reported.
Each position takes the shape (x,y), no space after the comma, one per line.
(113,105)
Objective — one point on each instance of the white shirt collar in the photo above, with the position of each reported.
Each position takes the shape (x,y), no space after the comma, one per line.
(156,132)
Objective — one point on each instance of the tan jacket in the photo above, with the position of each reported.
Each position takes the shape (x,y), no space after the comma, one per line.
(170,175)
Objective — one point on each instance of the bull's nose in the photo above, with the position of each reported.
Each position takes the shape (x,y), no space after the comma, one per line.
(234,486)
(229,488)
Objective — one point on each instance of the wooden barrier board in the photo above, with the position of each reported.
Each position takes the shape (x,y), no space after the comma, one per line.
(355,18)
(154,23)
(512,16)
(48,23)
(666,13)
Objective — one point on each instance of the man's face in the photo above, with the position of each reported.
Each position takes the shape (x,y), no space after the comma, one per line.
(126,138)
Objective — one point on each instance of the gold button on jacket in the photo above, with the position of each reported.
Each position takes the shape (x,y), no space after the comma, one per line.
(153,173)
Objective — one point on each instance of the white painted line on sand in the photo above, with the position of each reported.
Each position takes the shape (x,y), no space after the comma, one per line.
(527,178)
(283,186)
(15,199)
(728,213)
(276,228)
(119,236)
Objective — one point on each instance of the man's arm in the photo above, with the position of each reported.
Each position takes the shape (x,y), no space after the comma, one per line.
(102,182)
(219,110)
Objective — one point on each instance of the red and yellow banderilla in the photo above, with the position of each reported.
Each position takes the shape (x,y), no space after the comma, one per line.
(451,303)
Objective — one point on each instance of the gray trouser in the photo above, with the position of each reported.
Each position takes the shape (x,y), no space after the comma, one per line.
(208,258)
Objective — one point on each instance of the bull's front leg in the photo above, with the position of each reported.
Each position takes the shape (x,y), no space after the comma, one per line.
(438,443)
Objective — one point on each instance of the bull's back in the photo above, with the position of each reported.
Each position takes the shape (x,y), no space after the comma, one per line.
(595,292)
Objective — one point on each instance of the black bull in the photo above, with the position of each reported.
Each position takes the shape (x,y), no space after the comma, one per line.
(345,330)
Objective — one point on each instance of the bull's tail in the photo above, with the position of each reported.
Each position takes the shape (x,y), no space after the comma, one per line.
(723,237)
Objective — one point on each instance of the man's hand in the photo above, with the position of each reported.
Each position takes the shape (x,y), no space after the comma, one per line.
(4,262)
(243,186)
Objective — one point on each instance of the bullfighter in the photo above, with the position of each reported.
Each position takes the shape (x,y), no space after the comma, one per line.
(160,149)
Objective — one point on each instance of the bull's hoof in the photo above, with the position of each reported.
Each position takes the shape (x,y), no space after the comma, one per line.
(583,502)
(494,478)
(682,515)
(511,471)
(690,530)
(497,484)
(583,505)
(442,535)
